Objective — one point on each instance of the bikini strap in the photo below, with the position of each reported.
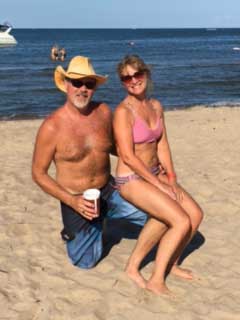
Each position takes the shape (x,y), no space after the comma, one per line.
(133,112)
(127,105)
(158,114)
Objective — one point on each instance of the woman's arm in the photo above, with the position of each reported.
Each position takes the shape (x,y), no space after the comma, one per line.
(164,152)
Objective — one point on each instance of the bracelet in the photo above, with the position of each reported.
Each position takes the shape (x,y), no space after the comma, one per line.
(171,175)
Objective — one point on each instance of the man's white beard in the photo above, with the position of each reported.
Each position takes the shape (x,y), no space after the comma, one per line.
(81,104)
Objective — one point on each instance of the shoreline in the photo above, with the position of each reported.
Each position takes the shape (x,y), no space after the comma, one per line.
(167,109)
(37,279)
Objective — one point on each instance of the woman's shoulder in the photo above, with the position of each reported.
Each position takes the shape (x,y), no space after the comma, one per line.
(122,109)
(157,105)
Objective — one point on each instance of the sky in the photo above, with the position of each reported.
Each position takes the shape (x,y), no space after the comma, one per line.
(121,13)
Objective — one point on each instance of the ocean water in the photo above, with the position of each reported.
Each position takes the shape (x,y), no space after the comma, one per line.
(189,66)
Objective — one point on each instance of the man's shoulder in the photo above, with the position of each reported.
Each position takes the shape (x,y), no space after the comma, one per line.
(101,105)
(52,122)
(103,108)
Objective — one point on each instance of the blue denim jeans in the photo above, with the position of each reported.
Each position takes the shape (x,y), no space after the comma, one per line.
(85,247)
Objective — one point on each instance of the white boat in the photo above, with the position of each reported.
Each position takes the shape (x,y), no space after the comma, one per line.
(5,37)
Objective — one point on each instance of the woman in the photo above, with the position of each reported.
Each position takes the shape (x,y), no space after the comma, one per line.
(145,177)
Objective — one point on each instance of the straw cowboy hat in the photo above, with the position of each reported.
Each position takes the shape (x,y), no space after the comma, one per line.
(79,67)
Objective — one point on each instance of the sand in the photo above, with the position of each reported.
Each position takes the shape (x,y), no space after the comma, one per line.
(37,279)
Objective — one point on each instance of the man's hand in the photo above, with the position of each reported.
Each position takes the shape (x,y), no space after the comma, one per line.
(84,207)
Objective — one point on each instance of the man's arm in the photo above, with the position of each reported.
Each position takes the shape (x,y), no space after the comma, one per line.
(108,118)
(44,151)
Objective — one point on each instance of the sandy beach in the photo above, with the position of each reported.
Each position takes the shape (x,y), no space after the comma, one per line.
(37,280)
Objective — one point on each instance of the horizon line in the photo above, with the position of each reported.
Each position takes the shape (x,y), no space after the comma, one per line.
(127,28)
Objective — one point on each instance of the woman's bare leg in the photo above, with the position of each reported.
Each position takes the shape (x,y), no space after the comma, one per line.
(160,206)
(148,238)
(195,214)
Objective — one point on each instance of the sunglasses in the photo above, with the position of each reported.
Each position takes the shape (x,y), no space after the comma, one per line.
(89,84)
(138,75)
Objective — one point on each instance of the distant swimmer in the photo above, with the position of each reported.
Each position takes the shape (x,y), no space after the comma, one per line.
(54,53)
(62,54)
(131,43)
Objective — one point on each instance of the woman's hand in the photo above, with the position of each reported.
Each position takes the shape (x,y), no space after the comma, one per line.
(171,181)
(177,190)
(167,189)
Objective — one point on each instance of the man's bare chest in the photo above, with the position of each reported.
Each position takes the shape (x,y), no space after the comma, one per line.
(78,143)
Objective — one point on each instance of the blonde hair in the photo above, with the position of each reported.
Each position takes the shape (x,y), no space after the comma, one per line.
(136,62)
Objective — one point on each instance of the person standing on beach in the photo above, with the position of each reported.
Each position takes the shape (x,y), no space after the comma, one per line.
(146,178)
(77,137)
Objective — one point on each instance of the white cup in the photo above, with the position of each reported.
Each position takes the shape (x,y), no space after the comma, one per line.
(94,196)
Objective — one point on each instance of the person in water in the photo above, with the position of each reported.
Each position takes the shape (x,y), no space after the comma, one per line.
(54,53)
(62,54)
(145,177)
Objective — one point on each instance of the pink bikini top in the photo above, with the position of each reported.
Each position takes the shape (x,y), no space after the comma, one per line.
(141,131)
(143,134)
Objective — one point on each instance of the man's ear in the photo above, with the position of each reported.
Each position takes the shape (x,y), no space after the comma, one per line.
(65,84)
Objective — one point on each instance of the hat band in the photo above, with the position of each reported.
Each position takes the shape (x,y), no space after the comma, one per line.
(80,74)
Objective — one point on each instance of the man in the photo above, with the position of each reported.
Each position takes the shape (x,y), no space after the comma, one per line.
(77,137)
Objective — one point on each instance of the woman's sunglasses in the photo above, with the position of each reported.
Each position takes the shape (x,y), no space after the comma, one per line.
(138,75)
(89,84)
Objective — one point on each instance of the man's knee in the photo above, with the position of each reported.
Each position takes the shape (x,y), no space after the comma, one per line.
(85,250)
(85,264)
(87,260)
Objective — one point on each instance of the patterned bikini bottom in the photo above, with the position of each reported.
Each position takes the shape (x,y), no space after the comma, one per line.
(119,181)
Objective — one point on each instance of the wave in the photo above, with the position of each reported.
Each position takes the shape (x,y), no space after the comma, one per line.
(14,116)
(32,116)
(26,68)
(219,104)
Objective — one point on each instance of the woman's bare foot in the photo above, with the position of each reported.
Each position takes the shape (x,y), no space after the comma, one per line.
(158,288)
(181,273)
(136,277)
